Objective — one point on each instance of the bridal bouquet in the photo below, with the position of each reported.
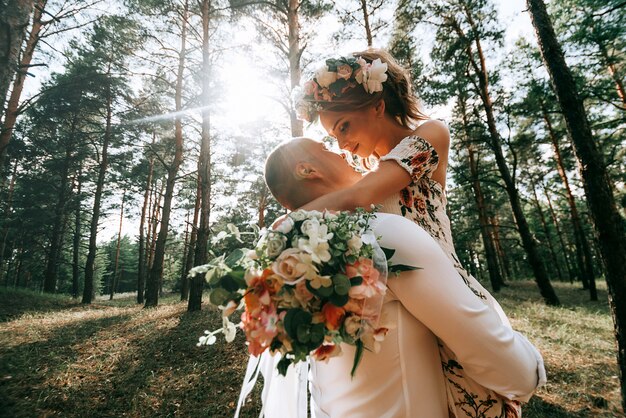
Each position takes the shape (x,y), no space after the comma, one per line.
(316,281)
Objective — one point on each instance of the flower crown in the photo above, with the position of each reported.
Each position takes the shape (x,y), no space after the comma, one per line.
(333,79)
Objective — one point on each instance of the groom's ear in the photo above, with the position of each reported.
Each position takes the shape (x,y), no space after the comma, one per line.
(306,171)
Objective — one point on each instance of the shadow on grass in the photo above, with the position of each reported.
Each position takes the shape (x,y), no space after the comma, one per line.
(161,373)
(572,296)
(25,368)
(538,408)
(16,302)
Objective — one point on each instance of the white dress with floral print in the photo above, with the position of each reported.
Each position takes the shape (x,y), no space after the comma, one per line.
(424,202)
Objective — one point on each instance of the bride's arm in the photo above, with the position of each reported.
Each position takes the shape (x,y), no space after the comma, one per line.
(491,353)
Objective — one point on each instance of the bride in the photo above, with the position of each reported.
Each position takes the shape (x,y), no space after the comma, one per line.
(428,307)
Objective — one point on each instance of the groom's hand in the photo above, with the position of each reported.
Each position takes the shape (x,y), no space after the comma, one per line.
(279,221)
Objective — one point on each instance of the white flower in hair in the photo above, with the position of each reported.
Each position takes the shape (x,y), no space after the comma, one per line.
(375,76)
(324,77)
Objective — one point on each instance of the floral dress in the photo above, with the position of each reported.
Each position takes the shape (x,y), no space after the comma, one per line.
(424,202)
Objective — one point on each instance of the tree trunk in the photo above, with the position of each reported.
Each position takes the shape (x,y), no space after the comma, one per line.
(485,227)
(555,220)
(154,221)
(583,252)
(366,23)
(546,231)
(18,84)
(88,289)
(50,275)
(156,271)
(528,241)
(77,236)
(294,56)
(189,259)
(7,214)
(13,22)
(114,281)
(608,223)
(204,165)
(141,267)
(503,260)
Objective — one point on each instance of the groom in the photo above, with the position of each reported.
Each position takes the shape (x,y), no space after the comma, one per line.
(428,306)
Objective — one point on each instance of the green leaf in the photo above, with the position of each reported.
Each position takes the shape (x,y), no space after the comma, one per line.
(357,356)
(399,268)
(324,291)
(219,296)
(283,365)
(356,281)
(213,278)
(304,333)
(229,283)
(389,252)
(341,284)
(234,258)
(338,300)
(317,334)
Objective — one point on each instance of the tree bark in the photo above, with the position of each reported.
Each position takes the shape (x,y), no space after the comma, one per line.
(141,263)
(528,241)
(114,281)
(88,289)
(50,275)
(7,213)
(13,22)
(204,166)
(583,252)
(503,260)
(608,223)
(18,84)
(546,231)
(77,235)
(156,271)
(294,56)
(485,227)
(366,23)
(189,259)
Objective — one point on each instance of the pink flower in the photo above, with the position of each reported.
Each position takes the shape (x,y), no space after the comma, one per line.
(310,87)
(363,267)
(260,327)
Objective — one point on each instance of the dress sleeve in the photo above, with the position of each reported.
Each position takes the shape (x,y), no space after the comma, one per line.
(490,352)
(416,155)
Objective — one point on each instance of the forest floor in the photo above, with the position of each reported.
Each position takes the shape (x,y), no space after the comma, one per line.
(59,358)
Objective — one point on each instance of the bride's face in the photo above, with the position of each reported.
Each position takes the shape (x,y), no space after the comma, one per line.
(355,131)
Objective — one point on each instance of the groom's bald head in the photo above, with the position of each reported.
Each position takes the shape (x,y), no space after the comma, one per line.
(300,170)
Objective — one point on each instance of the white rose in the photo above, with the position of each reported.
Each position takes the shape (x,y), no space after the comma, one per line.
(310,227)
(298,215)
(376,75)
(276,243)
(324,77)
(355,243)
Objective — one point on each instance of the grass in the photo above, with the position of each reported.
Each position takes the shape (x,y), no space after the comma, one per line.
(113,359)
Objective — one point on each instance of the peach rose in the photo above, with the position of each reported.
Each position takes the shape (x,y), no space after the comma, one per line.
(344,71)
(288,266)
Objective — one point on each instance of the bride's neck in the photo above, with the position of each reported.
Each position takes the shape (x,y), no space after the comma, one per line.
(392,133)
